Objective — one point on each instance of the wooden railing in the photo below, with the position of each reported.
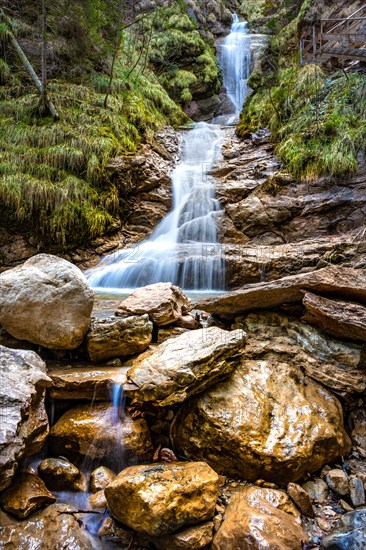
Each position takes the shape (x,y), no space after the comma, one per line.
(342,38)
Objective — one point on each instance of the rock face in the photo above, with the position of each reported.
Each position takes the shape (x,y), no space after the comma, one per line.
(341,319)
(24,422)
(84,382)
(184,366)
(46,301)
(255,519)
(280,339)
(110,338)
(163,302)
(158,499)
(40,530)
(94,432)
(263,422)
(25,495)
(339,282)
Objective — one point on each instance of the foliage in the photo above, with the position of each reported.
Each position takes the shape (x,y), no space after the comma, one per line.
(317,123)
(54,174)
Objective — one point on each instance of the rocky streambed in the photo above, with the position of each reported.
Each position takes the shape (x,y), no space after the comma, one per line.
(239,424)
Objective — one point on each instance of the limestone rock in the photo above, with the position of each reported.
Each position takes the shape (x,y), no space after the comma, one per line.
(55,527)
(94,432)
(184,366)
(255,520)
(47,301)
(84,382)
(337,480)
(340,282)
(23,418)
(278,338)
(263,422)
(97,501)
(188,322)
(100,478)
(350,535)
(109,338)
(25,495)
(336,317)
(357,491)
(189,538)
(317,489)
(60,475)
(301,498)
(163,302)
(158,499)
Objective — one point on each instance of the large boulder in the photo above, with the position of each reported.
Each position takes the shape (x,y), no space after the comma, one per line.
(23,418)
(46,301)
(343,283)
(163,302)
(56,527)
(158,499)
(341,319)
(280,339)
(109,338)
(259,518)
(97,432)
(184,366)
(266,421)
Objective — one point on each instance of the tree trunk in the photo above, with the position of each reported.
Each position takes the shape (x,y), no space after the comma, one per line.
(28,67)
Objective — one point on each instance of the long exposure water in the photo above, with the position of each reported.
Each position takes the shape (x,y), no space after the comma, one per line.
(184,247)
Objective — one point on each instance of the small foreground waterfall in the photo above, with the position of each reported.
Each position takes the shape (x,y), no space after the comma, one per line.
(184,248)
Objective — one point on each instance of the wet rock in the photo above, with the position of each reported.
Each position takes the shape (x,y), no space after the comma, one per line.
(256,519)
(184,366)
(189,538)
(60,475)
(109,338)
(47,301)
(158,499)
(100,478)
(163,302)
(317,489)
(301,498)
(116,533)
(26,494)
(94,432)
(337,480)
(357,491)
(97,501)
(277,338)
(338,318)
(340,282)
(351,533)
(187,321)
(262,422)
(55,527)
(23,418)
(84,382)
(357,421)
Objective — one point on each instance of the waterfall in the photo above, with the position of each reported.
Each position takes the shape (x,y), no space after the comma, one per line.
(184,248)
(236,62)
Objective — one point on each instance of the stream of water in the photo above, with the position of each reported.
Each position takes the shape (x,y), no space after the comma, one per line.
(184,248)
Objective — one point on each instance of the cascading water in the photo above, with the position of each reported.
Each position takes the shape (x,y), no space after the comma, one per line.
(236,63)
(184,248)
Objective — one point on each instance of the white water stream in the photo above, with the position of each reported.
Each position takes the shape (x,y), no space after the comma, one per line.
(184,248)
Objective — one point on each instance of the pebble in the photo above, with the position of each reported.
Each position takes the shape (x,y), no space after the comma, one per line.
(357,491)
(324,525)
(301,498)
(346,507)
(337,481)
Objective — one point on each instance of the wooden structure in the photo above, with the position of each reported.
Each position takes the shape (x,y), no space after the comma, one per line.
(336,38)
